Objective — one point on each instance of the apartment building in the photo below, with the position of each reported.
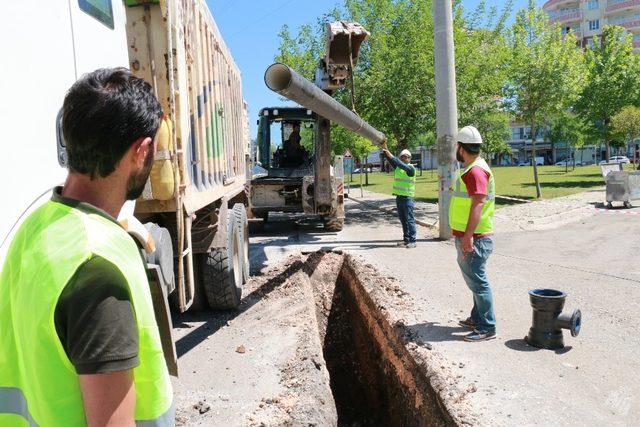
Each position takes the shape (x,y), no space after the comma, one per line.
(587,17)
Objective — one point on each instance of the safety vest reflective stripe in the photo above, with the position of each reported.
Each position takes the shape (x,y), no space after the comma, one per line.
(395,188)
(410,181)
(167,419)
(12,401)
(465,195)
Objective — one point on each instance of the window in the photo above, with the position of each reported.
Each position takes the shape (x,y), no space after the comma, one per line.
(593,4)
(594,25)
(99,9)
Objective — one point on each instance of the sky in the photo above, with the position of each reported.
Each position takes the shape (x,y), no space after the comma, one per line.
(250,29)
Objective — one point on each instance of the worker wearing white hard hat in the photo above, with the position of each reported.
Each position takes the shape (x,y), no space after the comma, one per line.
(471,220)
(404,188)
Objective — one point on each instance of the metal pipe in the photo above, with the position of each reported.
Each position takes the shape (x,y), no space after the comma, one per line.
(446,109)
(286,82)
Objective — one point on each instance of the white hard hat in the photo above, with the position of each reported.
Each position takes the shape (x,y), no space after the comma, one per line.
(405,152)
(469,135)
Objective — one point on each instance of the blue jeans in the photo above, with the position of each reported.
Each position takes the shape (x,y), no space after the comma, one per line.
(473,267)
(405,212)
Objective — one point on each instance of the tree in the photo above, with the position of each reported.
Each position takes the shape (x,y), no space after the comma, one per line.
(612,73)
(626,125)
(569,128)
(394,76)
(495,130)
(545,73)
(482,63)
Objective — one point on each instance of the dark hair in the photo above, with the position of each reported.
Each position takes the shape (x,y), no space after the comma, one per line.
(470,148)
(104,113)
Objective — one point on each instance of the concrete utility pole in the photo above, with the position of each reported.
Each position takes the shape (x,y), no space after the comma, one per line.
(446,109)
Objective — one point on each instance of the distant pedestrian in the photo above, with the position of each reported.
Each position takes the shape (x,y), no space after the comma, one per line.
(404,188)
(471,220)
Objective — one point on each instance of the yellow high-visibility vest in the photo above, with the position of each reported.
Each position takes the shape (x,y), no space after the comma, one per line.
(461,202)
(38,383)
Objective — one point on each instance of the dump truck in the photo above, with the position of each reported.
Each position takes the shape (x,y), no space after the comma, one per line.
(294,169)
(192,217)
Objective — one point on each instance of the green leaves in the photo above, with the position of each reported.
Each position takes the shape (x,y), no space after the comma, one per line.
(625,124)
(611,80)
(546,71)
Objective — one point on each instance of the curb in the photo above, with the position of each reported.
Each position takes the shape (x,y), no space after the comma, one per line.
(433,226)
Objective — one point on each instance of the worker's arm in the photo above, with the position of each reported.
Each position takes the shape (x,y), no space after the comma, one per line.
(397,163)
(475,213)
(95,322)
(109,399)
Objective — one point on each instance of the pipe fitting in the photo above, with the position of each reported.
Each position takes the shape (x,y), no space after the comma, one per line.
(548,320)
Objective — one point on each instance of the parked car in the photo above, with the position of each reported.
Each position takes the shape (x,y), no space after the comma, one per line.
(362,170)
(569,162)
(616,159)
(529,162)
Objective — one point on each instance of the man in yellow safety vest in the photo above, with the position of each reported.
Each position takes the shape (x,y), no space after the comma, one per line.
(404,188)
(471,220)
(79,343)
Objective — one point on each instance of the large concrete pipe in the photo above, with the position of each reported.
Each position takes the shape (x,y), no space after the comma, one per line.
(286,82)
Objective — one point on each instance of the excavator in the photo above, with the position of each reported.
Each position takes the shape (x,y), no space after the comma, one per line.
(294,171)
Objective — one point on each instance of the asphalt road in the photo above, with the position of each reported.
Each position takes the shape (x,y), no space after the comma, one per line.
(595,380)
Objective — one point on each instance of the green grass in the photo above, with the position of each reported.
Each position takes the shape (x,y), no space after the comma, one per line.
(514,181)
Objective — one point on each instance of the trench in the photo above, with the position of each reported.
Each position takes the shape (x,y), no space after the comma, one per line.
(373,377)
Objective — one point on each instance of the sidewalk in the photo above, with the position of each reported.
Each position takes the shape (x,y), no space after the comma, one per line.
(521,216)
(594,380)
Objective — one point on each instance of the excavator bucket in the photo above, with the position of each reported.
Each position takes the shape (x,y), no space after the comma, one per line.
(343,46)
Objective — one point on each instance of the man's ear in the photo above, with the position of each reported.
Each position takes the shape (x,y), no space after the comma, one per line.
(140,150)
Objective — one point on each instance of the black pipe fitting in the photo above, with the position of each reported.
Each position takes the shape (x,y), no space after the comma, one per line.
(549,321)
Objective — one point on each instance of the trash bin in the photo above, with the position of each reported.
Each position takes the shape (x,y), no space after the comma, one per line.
(622,186)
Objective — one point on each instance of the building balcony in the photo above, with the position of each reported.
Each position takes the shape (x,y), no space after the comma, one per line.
(629,23)
(614,6)
(552,4)
(565,17)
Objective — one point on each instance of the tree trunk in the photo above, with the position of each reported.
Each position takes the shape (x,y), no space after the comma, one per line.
(553,152)
(366,170)
(535,163)
(566,160)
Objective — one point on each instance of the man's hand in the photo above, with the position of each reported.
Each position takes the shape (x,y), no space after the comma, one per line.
(477,202)
(387,153)
(467,244)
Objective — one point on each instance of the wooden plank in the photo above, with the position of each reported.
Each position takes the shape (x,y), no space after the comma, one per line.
(195,200)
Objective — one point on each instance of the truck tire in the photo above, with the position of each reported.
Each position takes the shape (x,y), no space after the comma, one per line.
(221,270)
(333,223)
(242,223)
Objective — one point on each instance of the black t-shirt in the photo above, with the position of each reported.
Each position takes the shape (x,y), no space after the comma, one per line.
(94,316)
